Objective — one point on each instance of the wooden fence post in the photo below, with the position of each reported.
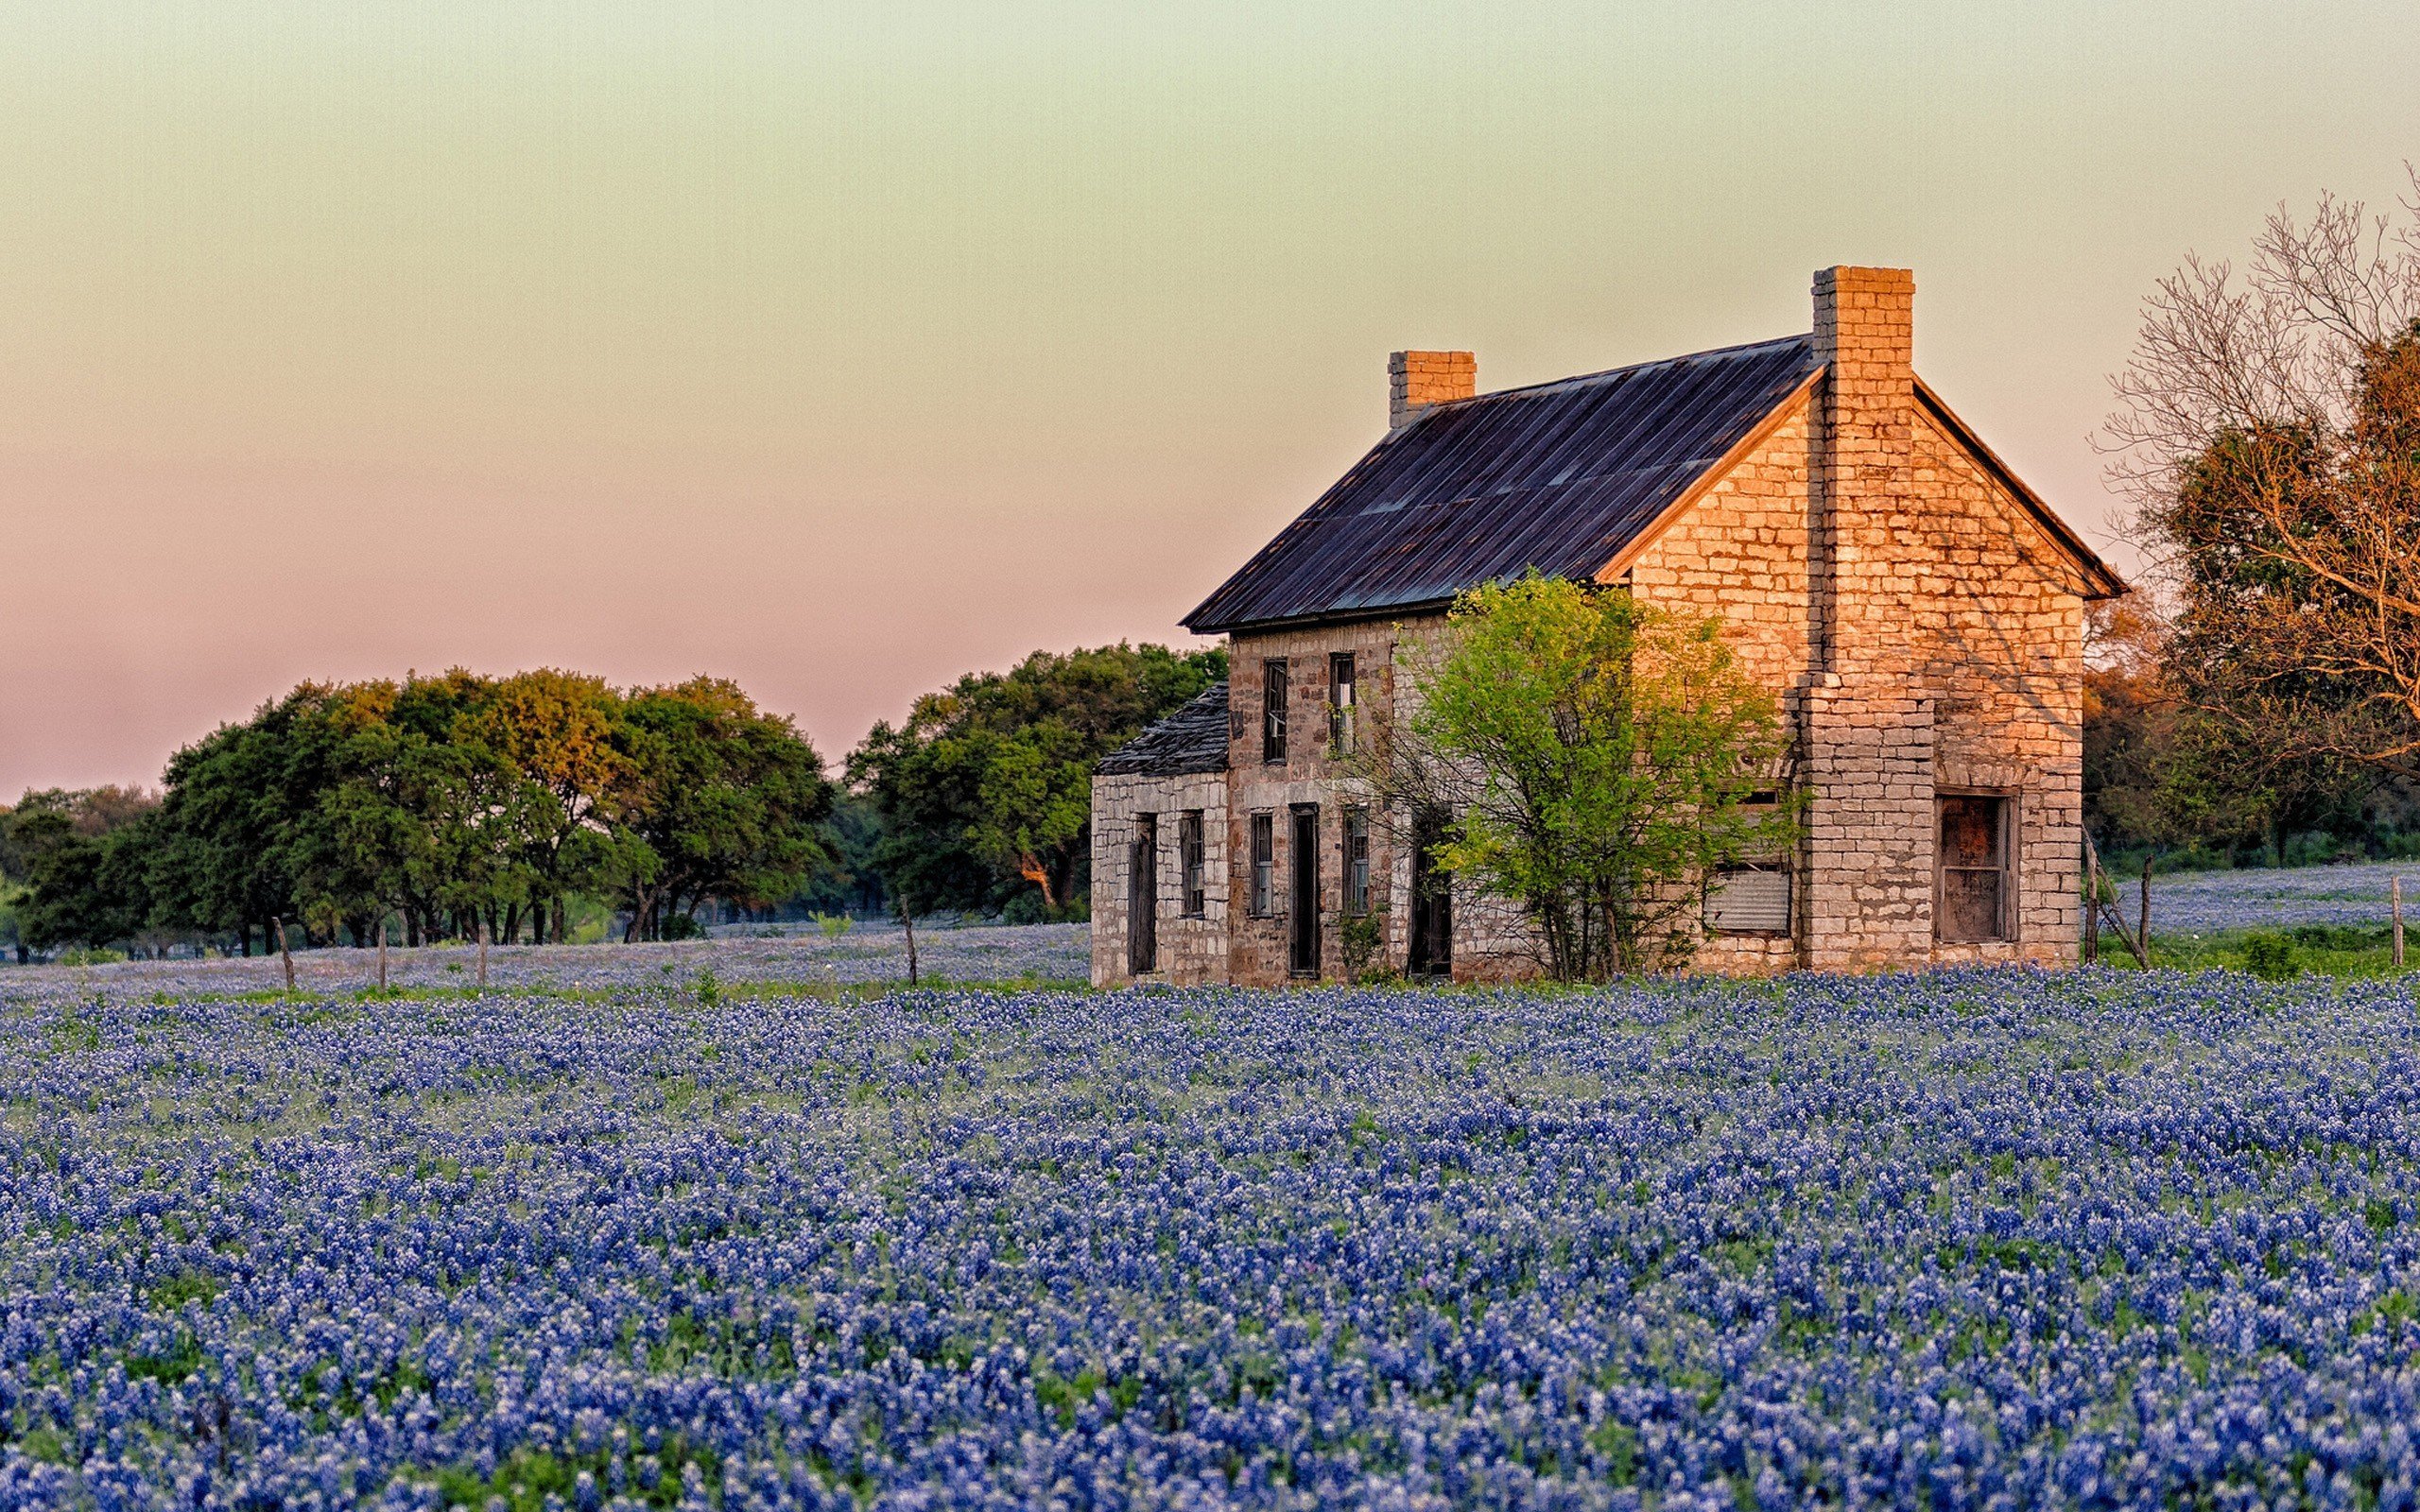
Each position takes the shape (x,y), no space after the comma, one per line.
(483,949)
(2092,905)
(283,954)
(2395,894)
(382,952)
(2143,917)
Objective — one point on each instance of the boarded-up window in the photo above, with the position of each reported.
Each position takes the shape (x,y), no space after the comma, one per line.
(1188,841)
(1753,895)
(1264,865)
(1974,890)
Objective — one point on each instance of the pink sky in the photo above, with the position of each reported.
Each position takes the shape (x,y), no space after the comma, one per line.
(840,357)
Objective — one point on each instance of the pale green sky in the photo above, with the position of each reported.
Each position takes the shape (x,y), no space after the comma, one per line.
(841,351)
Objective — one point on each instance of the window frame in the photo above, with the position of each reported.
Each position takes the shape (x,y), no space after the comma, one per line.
(1192,883)
(2003,809)
(1355,843)
(1766,865)
(1263,886)
(1344,702)
(1274,691)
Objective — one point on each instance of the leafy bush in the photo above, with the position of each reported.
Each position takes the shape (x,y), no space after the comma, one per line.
(2269,956)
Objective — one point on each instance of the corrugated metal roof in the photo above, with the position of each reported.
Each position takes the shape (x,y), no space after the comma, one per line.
(1193,739)
(1559,477)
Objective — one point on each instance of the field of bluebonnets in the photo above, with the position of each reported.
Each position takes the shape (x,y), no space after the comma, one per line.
(675,1237)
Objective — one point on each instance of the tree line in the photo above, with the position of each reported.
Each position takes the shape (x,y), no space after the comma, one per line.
(2266,685)
(442,807)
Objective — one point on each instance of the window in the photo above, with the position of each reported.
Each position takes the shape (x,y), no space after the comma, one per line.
(1188,845)
(1272,710)
(1972,902)
(1356,862)
(1264,865)
(1341,702)
(1752,896)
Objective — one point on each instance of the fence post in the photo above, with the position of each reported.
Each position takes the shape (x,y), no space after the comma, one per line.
(382,952)
(2394,893)
(2092,905)
(483,949)
(283,952)
(2143,917)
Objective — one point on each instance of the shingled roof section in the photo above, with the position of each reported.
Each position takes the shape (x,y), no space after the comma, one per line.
(1193,739)
(1559,477)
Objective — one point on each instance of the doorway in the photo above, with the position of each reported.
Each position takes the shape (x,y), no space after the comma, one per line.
(1302,931)
(1143,898)
(1431,952)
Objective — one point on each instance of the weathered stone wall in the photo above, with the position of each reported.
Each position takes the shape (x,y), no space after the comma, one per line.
(1309,774)
(1191,950)
(1926,630)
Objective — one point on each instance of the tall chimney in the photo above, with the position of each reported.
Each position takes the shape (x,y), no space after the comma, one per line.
(1865,336)
(1866,719)
(1418,380)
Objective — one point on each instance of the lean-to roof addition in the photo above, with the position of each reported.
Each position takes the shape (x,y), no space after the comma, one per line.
(1193,739)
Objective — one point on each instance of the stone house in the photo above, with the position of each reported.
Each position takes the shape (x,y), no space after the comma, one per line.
(1916,608)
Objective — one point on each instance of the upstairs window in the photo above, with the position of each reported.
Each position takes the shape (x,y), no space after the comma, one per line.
(1342,703)
(1188,844)
(1753,895)
(1973,895)
(1272,710)
(1356,862)
(1264,865)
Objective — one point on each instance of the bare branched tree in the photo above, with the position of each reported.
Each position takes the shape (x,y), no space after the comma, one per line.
(2267,436)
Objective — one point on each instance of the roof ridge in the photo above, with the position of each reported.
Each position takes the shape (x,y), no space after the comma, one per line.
(1615,372)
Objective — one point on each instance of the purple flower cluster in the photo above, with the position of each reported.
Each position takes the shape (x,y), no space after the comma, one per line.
(1966,1240)
(867,952)
(2209,902)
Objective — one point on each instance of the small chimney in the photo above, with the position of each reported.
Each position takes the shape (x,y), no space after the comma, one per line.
(1417,380)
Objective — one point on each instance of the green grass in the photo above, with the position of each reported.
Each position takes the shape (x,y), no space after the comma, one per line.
(2340,950)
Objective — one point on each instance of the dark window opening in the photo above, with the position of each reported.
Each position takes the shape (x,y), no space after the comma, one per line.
(1973,890)
(1342,705)
(1303,935)
(1264,865)
(1143,898)
(1356,862)
(1188,845)
(1432,901)
(1753,895)
(1272,710)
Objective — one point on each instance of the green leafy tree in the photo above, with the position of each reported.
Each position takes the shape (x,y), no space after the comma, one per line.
(718,798)
(1594,758)
(985,791)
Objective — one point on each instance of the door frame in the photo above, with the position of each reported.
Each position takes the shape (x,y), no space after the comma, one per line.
(1302,891)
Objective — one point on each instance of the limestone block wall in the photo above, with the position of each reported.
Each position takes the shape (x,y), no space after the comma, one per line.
(1311,774)
(1192,950)
(1998,623)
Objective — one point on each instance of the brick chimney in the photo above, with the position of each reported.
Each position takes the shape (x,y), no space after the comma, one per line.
(1417,380)
(1865,419)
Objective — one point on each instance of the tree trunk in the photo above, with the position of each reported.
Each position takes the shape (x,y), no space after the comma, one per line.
(510,933)
(1032,870)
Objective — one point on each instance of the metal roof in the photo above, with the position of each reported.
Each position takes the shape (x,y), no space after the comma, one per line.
(1559,477)
(1193,739)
